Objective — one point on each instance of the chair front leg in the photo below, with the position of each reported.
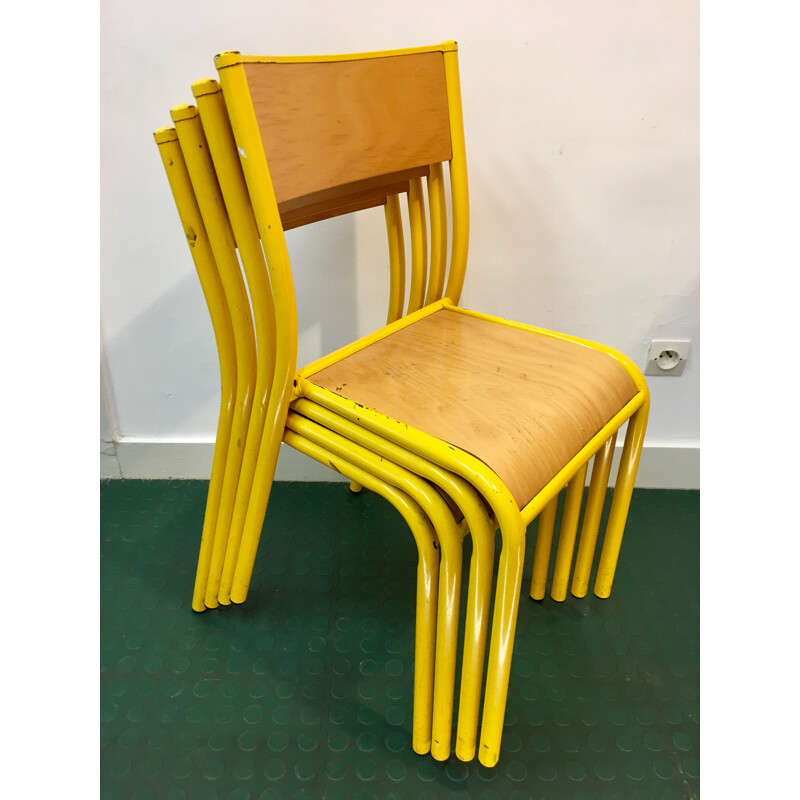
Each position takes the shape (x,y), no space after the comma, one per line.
(567,534)
(427,579)
(601,468)
(541,552)
(504,623)
(623,490)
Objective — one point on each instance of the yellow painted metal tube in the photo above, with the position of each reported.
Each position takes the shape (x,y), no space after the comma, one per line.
(203,177)
(397,258)
(265,208)
(512,530)
(620,503)
(504,624)
(449,535)
(222,147)
(481,566)
(419,244)
(459,190)
(482,530)
(230,57)
(397,268)
(601,469)
(541,552)
(567,533)
(206,267)
(438,214)
(427,578)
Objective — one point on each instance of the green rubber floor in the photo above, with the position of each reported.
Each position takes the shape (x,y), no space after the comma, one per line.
(305,690)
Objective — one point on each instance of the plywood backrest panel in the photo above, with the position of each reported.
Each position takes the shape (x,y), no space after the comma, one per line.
(330,126)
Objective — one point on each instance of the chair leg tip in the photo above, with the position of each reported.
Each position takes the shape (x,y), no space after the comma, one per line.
(440,753)
(465,753)
(602,589)
(487,758)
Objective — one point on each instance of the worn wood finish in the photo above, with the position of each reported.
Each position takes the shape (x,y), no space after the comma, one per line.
(330,124)
(523,403)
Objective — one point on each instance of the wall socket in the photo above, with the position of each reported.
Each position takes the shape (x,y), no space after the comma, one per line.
(667,357)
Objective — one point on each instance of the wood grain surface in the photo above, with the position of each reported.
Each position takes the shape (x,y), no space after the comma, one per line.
(327,125)
(522,402)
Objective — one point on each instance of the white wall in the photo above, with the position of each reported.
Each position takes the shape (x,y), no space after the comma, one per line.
(582,126)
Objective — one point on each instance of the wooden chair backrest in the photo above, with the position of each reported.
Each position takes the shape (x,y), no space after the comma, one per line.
(341,135)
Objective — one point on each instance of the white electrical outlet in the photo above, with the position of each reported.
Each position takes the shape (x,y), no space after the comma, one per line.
(667,357)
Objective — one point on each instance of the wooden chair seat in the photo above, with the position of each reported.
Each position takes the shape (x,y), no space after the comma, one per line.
(524,403)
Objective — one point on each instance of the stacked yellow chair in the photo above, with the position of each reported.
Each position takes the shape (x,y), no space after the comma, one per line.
(466,423)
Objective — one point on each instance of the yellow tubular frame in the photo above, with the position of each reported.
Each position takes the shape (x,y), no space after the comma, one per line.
(397,258)
(601,469)
(222,147)
(449,536)
(421,527)
(541,553)
(315,442)
(232,58)
(438,212)
(482,529)
(566,536)
(201,172)
(459,190)
(265,209)
(419,244)
(397,268)
(623,490)
(511,558)
(192,222)
(512,521)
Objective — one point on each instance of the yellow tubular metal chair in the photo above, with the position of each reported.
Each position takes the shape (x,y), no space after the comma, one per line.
(495,413)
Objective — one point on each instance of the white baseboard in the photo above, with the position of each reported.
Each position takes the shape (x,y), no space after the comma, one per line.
(665,466)
(662,466)
(109,463)
(192,460)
